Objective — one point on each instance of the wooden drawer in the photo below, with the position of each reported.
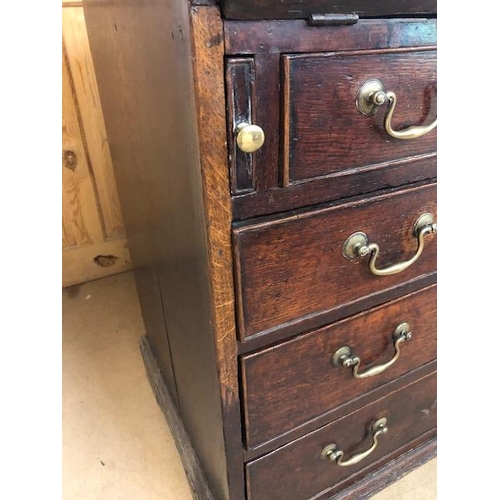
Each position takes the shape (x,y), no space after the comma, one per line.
(292,274)
(275,379)
(298,471)
(324,133)
(300,84)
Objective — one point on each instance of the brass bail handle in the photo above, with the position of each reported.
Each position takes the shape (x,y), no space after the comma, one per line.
(357,245)
(372,96)
(332,453)
(344,357)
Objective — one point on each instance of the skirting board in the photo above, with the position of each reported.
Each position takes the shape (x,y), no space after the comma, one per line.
(361,490)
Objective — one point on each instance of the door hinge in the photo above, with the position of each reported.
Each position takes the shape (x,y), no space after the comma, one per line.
(332,19)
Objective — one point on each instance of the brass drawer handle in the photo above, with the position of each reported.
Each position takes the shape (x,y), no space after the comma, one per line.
(372,95)
(332,453)
(344,357)
(357,246)
(250,138)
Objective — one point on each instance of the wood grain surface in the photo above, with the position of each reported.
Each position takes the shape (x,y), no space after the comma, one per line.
(295,9)
(292,37)
(318,146)
(160,71)
(291,269)
(325,133)
(357,401)
(89,104)
(94,243)
(208,51)
(81,224)
(297,470)
(300,370)
(164,87)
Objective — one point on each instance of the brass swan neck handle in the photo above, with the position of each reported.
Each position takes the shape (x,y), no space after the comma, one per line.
(372,96)
(332,453)
(357,245)
(345,358)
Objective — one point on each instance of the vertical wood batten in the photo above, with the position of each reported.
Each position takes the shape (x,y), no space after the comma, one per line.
(80,217)
(89,104)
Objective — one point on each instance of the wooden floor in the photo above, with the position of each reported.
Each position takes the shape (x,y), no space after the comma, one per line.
(116,444)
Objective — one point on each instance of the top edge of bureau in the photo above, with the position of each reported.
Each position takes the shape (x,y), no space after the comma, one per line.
(302,9)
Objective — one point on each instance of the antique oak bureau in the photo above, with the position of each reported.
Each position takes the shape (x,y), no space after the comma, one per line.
(276,163)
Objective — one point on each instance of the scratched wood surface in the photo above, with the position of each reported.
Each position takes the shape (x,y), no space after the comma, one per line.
(297,470)
(291,271)
(272,384)
(94,243)
(297,9)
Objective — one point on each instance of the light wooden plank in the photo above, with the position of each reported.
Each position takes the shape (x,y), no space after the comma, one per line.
(81,222)
(80,264)
(89,104)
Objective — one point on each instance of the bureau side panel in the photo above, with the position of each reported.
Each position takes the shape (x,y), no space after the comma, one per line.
(143,58)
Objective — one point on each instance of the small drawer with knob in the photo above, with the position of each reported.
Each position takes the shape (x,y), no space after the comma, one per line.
(334,456)
(303,270)
(333,112)
(330,367)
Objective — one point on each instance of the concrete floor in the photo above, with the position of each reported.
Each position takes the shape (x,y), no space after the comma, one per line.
(116,443)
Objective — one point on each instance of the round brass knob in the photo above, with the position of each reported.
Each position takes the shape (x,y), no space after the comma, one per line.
(249,138)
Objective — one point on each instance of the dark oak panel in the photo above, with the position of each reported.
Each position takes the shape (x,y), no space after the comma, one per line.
(324,132)
(274,37)
(274,380)
(401,462)
(296,9)
(318,146)
(297,471)
(357,401)
(292,269)
(344,185)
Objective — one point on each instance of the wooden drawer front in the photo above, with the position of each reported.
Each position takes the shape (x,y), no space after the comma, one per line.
(298,472)
(274,380)
(291,272)
(300,83)
(324,133)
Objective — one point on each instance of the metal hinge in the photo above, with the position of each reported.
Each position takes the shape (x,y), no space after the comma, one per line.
(332,19)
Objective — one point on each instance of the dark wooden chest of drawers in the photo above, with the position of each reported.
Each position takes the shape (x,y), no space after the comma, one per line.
(276,163)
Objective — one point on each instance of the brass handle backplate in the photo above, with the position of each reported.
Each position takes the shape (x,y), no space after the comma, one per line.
(250,138)
(332,453)
(344,357)
(372,96)
(357,245)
